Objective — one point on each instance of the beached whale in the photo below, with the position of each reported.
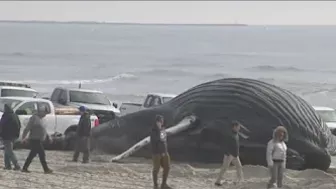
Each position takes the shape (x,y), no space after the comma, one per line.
(199,119)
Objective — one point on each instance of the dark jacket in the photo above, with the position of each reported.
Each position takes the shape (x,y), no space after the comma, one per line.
(158,139)
(84,125)
(9,124)
(231,144)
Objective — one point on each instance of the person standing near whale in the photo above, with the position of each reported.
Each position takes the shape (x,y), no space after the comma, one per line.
(161,158)
(276,156)
(36,128)
(83,136)
(231,154)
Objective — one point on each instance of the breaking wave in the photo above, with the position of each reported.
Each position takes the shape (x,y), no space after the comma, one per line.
(254,54)
(123,76)
(168,72)
(275,68)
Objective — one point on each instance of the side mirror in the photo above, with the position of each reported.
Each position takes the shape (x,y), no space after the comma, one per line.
(21,112)
(115,105)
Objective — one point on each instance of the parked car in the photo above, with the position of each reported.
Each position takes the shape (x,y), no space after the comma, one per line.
(94,100)
(328,115)
(151,100)
(59,121)
(16,89)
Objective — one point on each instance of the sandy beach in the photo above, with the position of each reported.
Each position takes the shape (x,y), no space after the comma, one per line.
(134,173)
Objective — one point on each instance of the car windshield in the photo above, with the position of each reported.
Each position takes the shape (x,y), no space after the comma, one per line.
(327,116)
(166,99)
(88,97)
(17,92)
(11,102)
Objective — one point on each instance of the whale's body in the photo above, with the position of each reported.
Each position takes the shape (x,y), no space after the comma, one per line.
(259,106)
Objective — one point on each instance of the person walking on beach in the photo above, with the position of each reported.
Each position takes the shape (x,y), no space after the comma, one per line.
(276,156)
(83,136)
(161,158)
(231,154)
(37,135)
(9,131)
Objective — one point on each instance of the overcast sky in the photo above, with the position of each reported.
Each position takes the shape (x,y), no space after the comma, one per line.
(205,12)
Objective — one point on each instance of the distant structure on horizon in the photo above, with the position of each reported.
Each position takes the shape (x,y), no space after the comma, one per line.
(119,23)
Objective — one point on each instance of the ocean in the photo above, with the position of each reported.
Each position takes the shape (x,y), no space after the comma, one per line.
(127,61)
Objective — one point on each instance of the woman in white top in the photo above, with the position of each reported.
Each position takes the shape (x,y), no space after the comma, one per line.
(276,156)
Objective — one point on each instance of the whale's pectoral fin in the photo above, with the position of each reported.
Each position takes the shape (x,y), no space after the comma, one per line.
(186,123)
(245,129)
(243,135)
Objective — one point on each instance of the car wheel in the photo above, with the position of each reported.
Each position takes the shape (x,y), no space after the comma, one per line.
(69,141)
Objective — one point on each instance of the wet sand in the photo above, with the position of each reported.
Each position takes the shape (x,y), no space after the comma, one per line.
(135,173)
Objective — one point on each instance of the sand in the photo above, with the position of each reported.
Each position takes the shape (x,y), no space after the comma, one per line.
(135,174)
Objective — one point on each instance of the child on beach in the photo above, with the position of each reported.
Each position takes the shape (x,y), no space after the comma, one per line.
(231,154)
(276,156)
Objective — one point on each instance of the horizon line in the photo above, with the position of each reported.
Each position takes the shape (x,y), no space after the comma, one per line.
(117,23)
(136,23)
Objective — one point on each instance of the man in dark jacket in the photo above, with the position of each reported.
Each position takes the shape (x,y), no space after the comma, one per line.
(83,136)
(161,158)
(10,130)
(231,154)
(37,135)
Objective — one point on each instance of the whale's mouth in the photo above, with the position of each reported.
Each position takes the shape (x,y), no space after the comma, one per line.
(315,156)
(317,160)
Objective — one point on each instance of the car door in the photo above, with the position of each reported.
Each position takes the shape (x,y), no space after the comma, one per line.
(29,108)
(55,95)
(50,119)
(63,97)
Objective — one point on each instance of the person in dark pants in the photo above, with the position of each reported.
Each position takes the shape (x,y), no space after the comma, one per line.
(9,131)
(161,158)
(37,135)
(83,136)
(231,154)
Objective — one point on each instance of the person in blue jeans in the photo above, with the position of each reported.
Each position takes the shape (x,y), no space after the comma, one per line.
(9,132)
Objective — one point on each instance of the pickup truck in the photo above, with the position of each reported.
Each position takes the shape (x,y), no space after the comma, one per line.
(16,89)
(328,115)
(60,121)
(151,100)
(94,100)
